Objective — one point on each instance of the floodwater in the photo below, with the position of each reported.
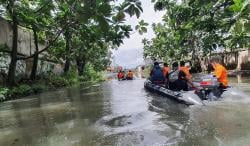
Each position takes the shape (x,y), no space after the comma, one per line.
(123,114)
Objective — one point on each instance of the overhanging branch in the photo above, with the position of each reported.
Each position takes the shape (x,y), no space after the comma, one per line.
(47,47)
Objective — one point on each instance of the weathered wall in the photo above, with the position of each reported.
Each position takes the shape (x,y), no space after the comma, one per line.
(26,47)
(25,38)
(244,56)
(238,57)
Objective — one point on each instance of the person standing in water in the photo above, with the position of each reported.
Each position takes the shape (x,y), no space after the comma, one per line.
(219,71)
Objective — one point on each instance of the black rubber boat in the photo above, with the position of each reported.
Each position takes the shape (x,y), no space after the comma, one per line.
(125,79)
(185,97)
(207,89)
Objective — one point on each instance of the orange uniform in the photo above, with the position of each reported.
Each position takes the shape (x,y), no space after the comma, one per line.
(186,71)
(165,71)
(130,75)
(221,73)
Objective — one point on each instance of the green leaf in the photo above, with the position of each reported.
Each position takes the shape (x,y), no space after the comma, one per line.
(103,23)
(120,16)
(137,27)
(144,29)
(137,12)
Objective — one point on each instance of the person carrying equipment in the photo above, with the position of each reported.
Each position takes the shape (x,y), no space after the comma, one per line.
(177,79)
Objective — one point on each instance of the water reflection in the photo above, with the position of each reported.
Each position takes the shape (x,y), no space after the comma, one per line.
(46,121)
(239,80)
(122,113)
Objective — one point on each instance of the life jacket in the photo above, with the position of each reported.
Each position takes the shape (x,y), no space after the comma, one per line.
(221,73)
(165,71)
(130,75)
(120,75)
(157,74)
(186,71)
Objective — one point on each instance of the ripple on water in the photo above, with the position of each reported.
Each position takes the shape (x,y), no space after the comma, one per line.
(121,113)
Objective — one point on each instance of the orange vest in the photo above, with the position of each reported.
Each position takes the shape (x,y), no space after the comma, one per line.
(221,73)
(130,75)
(186,71)
(165,71)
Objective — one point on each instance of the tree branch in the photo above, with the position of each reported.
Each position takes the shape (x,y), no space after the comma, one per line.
(47,47)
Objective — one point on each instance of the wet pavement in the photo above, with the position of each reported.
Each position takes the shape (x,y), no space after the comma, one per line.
(122,113)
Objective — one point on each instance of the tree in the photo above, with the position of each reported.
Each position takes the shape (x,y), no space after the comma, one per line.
(196,27)
(36,16)
(11,11)
(73,31)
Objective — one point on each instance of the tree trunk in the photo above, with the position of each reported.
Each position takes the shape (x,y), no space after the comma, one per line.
(195,56)
(67,57)
(36,57)
(80,66)
(13,62)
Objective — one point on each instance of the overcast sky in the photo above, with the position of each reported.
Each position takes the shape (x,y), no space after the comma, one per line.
(130,54)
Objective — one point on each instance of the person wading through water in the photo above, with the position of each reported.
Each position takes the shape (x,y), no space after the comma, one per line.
(219,71)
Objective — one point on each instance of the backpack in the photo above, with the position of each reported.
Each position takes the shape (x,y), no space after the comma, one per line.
(157,74)
(173,75)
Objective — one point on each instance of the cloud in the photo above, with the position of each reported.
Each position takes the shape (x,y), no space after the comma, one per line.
(150,16)
(128,57)
(134,54)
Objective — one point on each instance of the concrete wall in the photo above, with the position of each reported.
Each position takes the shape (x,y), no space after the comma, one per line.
(244,56)
(25,38)
(238,57)
(26,47)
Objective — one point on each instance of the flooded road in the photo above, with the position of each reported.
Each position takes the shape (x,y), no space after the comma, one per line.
(122,114)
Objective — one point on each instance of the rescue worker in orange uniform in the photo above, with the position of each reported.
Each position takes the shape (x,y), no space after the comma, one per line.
(165,70)
(130,75)
(185,70)
(219,71)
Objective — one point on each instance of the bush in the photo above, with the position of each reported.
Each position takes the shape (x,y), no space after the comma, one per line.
(57,81)
(231,66)
(50,81)
(22,90)
(71,77)
(245,65)
(39,88)
(90,74)
(3,93)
